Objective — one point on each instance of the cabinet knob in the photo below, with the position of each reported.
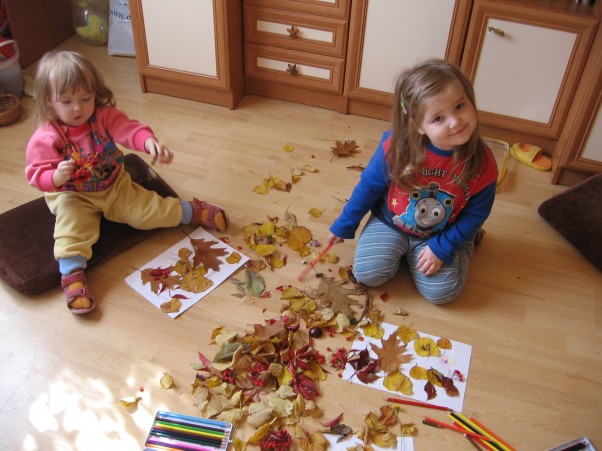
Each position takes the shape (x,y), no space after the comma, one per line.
(292,69)
(496,30)
(293,31)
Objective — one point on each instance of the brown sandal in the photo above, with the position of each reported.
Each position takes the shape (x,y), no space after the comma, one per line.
(72,294)
(207,215)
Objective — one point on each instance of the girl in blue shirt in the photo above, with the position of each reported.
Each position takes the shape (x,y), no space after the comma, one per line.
(429,186)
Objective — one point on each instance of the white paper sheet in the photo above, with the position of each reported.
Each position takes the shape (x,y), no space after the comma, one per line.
(170,257)
(456,358)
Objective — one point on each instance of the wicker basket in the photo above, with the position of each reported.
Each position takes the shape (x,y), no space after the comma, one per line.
(10,108)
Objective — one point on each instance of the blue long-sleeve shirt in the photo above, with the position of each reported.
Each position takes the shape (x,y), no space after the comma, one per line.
(444,213)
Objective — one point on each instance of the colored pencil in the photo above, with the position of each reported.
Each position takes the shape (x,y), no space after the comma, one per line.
(417,403)
(171,431)
(472,441)
(497,438)
(313,263)
(463,422)
(453,427)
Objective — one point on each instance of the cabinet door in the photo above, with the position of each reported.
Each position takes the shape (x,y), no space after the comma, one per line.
(525,64)
(190,48)
(387,36)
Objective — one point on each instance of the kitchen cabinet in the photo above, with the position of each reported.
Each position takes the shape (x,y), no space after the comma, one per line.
(525,59)
(387,36)
(578,153)
(190,48)
(296,50)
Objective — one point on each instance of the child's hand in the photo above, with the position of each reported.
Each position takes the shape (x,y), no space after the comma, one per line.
(428,263)
(158,151)
(63,172)
(332,238)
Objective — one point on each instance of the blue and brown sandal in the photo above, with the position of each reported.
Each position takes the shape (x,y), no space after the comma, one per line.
(76,289)
(209,215)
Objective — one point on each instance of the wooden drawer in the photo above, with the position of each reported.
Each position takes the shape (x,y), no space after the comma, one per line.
(306,70)
(297,31)
(332,8)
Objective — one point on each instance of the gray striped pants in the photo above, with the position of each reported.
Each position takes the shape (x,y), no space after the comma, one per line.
(380,252)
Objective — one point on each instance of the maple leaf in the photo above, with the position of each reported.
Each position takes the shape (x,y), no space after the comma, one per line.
(392,354)
(344,148)
(206,255)
(331,293)
(159,279)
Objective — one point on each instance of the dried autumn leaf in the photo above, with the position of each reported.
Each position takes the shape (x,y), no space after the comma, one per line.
(259,434)
(397,381)
(426,347)
(233,258)
(392,354)
(206,255)
(287,148)
(261,189)
(331,293)
(166,381)
(195,281)
(172,306)
(315,212)
(130,401)
(344,148)
(374,330)
(298,237)
(444,343)
(417,372)
(406,334)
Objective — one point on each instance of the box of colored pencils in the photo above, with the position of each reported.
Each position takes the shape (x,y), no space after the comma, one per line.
(173,431)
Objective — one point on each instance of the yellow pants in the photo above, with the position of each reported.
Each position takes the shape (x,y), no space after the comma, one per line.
(78,214)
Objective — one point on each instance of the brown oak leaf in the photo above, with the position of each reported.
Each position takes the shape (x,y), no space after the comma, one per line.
(206,255)
(331,293)
(392,354)
(344,148)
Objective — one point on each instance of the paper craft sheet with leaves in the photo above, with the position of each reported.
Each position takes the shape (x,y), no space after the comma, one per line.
(353,442)
(423,367)
(186,272)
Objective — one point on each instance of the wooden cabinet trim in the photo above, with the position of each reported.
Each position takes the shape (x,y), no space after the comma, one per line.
(336,27)
(338,8)
(584,29)
(359,8)
(334,66)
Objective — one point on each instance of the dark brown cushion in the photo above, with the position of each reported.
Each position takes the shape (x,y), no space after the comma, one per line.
(26,244)
(576,215)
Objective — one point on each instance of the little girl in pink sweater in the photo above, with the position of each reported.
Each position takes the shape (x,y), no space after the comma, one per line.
(74,159)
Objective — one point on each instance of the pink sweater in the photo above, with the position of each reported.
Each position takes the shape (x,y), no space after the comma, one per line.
(49,145)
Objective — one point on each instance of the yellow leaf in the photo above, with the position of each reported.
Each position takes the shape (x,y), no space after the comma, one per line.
(374,330)
(276,262)
(267,228)
(406,334)
(261,189)
(315,212)
(233,258)
(417,372)
(444,343)
(309,168)
(297,237)
(130,401)
(287,148)
(426,347)
(263,250)
(166,381)
(239,445)
(331,257)
(259,434)
(172,306)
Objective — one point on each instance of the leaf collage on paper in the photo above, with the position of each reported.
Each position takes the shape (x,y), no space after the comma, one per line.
(188,274)
(393,358)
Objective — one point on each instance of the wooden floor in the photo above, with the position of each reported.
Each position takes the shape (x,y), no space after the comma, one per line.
(532,308)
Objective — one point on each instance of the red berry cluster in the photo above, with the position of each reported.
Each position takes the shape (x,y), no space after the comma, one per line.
(458,375)
(228,376)
(258,374)
(279,440)
(338,358)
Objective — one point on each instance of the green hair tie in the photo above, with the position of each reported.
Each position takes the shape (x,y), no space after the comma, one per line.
(403,106)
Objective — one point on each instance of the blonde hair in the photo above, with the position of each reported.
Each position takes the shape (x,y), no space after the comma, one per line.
(412,88)
(61,71)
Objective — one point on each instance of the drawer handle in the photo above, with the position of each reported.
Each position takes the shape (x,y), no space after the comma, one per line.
(293,31)
(292,69)
(497,31)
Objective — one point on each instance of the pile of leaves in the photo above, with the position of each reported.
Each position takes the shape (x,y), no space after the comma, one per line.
(270,378)
(266,239)
(280,184)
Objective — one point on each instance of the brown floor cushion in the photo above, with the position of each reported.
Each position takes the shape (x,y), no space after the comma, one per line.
(26,244)
(576,215)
